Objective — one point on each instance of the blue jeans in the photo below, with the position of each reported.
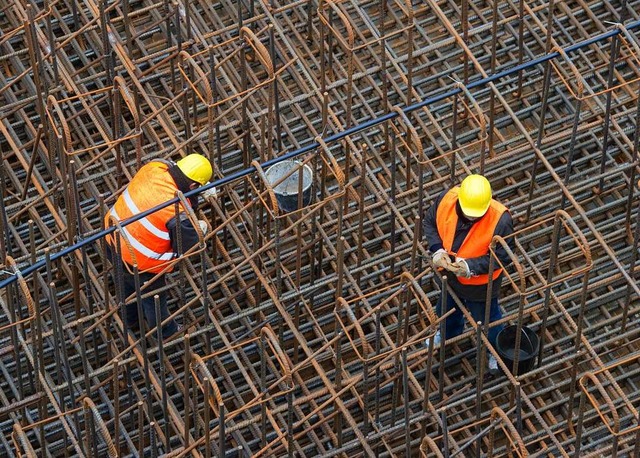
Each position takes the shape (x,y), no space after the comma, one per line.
(148,304)
(455,321)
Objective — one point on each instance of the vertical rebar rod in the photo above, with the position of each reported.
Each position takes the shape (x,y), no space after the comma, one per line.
(480,352)
(444,300)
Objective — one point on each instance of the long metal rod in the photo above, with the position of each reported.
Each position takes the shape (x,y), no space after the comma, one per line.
(330,139)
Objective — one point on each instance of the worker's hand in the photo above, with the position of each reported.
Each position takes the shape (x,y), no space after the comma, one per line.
(441,259)
(209,193)
(460,268)
(204,227)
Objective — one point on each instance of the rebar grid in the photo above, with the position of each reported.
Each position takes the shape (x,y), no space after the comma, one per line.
(304,332)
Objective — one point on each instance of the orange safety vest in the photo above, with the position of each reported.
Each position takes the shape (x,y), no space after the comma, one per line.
(149,238)
(477,241)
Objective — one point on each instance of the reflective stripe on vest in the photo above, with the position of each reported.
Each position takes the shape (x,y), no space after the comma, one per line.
(477,241)
(148,236)
(139,247)
(133,208)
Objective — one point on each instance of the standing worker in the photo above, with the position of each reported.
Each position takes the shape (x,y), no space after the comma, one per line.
(459,227)
(154,239)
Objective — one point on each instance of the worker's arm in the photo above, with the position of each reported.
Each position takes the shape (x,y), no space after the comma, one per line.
(429,228)
(187,231)
(480,265)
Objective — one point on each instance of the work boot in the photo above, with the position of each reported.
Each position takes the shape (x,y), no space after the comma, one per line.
(493,365)
(436,340)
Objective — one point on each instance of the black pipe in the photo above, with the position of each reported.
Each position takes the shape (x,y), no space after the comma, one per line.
(332,138)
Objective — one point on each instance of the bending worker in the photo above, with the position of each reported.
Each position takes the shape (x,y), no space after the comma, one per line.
(459,227)
(153,240)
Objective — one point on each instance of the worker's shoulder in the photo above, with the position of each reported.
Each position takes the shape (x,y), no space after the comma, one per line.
(499,206)
(150,171)
(158,163)
(440,196)
(505,224)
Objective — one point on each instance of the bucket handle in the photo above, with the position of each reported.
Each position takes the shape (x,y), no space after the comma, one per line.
(528,339)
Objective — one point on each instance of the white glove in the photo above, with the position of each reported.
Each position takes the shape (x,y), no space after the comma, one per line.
(460,268)
(204,227)
(441,258)
(213,192)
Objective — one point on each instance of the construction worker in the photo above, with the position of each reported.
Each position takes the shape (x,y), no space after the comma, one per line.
(459,227)
(152,240)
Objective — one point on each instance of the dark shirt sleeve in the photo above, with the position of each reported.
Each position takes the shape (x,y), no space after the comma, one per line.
(480,265)
(429,227)
(187,231)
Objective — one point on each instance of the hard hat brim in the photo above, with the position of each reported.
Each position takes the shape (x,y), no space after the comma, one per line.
(473,212)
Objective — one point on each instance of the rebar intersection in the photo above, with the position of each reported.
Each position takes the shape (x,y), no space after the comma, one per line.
(305,331)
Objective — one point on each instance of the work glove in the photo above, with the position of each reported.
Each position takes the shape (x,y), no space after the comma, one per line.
(441,259)
(213,192)
(204,227)
(460,268)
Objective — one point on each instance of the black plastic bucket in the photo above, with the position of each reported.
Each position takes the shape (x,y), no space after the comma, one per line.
(287,191)
(529,347)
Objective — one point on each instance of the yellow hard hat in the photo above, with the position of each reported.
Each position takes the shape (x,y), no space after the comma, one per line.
(196,167)
(474,196)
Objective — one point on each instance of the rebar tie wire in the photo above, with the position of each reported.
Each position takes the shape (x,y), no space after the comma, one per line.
(332,138)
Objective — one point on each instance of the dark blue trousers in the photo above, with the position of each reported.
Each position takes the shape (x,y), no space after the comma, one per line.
(455,321)
(128,287)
